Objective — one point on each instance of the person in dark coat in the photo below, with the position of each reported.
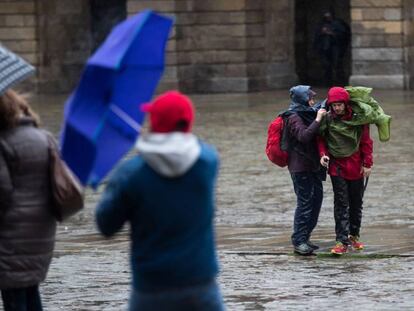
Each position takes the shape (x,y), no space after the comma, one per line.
(27,226)
(332,39)
(166,194)
(303,164)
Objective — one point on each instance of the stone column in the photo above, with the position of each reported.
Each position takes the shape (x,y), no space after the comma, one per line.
(279,44)
(378,44)
(409,42)
(167,7)
(64,45)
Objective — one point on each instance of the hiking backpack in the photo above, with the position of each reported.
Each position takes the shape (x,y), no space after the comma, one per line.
(277,141)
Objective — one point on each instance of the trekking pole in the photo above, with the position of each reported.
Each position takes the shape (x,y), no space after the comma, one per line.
(365,185)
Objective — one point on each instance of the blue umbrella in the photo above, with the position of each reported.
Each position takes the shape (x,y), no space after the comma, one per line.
(102,116)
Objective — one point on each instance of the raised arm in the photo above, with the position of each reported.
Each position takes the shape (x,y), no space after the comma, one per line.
(300,131)
(112,210)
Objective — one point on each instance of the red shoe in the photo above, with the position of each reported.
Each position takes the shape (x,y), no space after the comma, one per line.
(355,243)
(339,249)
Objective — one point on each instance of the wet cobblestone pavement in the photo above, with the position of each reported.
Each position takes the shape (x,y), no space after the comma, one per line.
(255,206)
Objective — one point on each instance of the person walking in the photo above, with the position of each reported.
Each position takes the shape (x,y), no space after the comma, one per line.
(27,226)
(166,193)
(303,163)
(346,150)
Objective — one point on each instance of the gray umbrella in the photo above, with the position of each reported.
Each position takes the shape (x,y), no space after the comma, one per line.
(13,69)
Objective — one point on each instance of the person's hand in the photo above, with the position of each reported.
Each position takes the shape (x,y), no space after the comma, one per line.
(320,114)
(327,31)
(365,171)
(325,161)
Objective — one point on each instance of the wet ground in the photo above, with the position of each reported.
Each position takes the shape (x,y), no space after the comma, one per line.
(255,206)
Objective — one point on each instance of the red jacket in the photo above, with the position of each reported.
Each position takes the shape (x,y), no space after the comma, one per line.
(350,167)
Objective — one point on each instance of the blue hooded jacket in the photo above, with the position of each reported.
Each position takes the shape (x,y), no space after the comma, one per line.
(303,155)
(170,209)
(300,96)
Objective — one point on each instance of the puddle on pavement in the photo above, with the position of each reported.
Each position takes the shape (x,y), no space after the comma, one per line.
(92,273)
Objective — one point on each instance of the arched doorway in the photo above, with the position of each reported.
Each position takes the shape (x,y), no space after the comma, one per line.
(68,32)
(104,15)
(315,61)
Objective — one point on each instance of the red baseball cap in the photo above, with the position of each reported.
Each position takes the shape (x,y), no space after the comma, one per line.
(170,112)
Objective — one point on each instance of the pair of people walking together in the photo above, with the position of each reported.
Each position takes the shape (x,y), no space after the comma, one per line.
(166,193)
(318,141)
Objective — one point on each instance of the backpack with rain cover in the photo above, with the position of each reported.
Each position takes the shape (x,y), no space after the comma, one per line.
(277,141)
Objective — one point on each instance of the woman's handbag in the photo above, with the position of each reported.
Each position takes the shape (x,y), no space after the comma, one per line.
(66,189)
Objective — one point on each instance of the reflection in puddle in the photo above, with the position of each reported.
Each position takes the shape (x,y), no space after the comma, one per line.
(255,210)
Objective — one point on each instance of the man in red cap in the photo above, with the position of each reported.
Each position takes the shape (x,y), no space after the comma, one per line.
(346,150)
(166,193)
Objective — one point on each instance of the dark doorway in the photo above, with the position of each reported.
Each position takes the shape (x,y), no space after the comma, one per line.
(316,64)
(104,15)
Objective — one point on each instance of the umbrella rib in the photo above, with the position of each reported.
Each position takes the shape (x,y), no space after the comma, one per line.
(125,117)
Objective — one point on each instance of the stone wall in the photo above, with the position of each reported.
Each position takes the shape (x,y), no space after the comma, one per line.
(408,27)
(378,44)
(216,45)
(213,50)
(226,46)
(18,30)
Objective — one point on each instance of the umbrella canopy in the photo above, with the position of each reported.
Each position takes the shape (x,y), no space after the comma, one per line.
(102,116)
(13,69)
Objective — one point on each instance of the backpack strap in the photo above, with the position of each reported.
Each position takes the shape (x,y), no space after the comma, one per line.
(285,139)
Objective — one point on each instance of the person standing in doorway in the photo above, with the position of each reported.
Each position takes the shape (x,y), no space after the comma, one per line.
(332,39)
(166,193)
(346,151)
(303,163)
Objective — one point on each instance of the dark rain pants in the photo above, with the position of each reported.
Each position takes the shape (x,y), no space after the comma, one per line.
(333,66)
(309,193)
(22,299)
(347,207)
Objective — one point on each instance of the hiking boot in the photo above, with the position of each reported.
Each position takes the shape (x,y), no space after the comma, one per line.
(313,246)
(355,243)
(339,249)
(303,249)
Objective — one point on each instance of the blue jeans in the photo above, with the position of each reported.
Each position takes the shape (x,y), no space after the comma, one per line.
(201,297)
(309,193)
(22,299)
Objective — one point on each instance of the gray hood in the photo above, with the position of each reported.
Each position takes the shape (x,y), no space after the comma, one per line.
(170,155)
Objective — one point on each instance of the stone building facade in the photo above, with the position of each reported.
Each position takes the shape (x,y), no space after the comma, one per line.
(216,45)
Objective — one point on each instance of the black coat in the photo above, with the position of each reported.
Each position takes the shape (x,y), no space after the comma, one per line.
(27,227)
(303,151)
